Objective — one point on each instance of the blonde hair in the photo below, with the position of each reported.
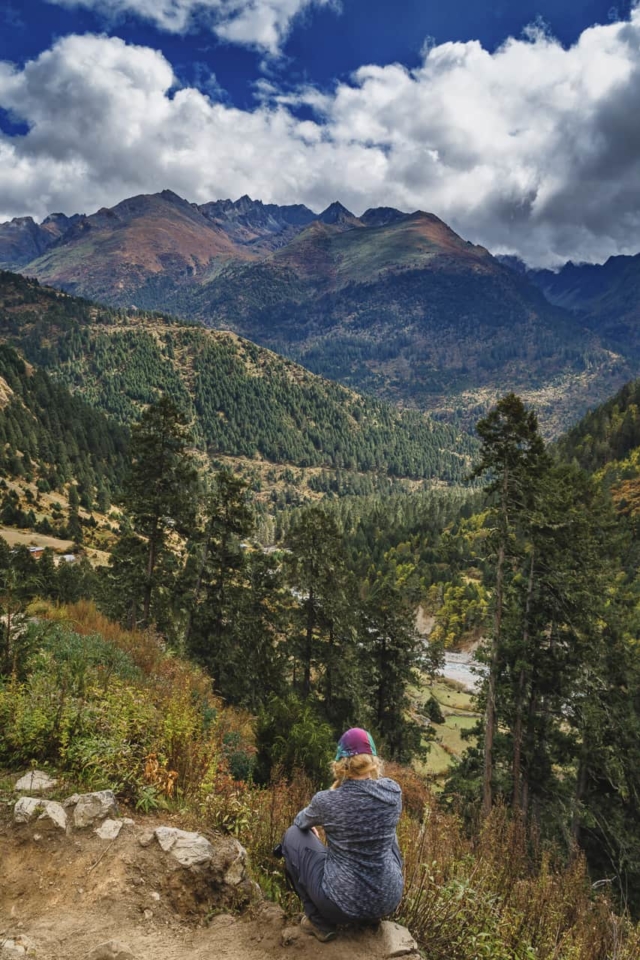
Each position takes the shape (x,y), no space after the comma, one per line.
(350,768)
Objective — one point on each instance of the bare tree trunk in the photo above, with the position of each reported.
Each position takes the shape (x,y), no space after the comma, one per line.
(518,727)
(151,564)
(308,647)
(581,787)
(526,773)
(490,713)
(328,698)
(196,592)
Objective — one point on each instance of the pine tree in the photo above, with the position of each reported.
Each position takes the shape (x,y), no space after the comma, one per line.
(392,649)
(317,573)
(74,525)
(513,458)
(160,491)
(220,592)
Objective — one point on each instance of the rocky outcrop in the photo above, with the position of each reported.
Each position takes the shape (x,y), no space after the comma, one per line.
(47,812)
(77,812)
(397,941)
(91,808)
(36,781)
(110,829)
(203,870)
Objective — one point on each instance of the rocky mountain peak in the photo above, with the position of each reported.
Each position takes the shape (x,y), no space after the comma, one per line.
(336,213)
(381,216)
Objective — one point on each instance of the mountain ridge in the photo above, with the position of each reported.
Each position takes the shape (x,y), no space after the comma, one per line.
(393,304)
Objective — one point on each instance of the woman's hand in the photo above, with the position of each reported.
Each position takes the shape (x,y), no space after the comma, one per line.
(315,831)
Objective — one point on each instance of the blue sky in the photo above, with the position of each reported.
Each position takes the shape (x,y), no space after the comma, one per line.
(514,121)
(323,45)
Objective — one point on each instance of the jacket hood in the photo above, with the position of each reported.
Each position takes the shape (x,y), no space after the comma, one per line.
(385,789)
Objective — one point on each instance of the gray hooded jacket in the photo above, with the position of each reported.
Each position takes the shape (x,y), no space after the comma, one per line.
(363,870)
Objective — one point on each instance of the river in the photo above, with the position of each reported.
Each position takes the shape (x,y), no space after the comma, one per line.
(463,668)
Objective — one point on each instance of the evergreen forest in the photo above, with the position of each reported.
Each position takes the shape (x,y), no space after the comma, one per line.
(200,648)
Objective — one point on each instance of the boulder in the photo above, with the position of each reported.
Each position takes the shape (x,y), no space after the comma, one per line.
(189,849)
(52,813)
(109,829)
(111,950)
(206,873)
(36,781)
(396,940)
(26,809)
(89,808)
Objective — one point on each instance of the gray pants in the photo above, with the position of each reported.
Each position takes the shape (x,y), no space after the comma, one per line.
(305,858)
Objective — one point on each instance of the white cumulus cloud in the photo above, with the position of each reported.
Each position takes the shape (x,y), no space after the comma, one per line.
(263,24)
(532,149)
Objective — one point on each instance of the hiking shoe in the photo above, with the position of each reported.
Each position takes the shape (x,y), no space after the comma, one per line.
(322,935)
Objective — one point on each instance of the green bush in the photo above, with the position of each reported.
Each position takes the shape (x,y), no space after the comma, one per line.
(291,737)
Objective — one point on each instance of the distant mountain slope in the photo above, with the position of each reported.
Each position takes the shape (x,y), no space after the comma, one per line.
(245,401)
(23,240)
(48,435)
(605,296)
(396,305)
(412,313)
(108,255)
(607,442)
(610,432)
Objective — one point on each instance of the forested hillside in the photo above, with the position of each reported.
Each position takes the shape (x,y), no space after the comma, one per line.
(394,304)
(244,401)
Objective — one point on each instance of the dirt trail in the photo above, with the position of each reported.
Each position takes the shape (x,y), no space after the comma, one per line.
(71,892)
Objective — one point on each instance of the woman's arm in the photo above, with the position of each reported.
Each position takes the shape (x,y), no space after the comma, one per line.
(312,815)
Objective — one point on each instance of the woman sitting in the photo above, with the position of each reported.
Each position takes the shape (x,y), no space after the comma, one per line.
(357,877)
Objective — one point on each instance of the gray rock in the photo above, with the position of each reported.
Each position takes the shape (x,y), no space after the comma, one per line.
(109,829)
(17,948)
(55,814)
(189,849)
(237,872)
(111,950)
(146,839)
(91,807)
(35,782)
(396,940)
(290,935)
(27,808)
(230,861)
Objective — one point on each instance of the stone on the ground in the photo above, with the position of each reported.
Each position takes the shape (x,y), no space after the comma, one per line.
(269,912)
(109,829)
(17,948)
(36,781)
(111,950)
(230,857)
(91,807)
(27,808)
(290,935)
(55,814)
(396,940)
(206,873)
(146,838)
(189,849)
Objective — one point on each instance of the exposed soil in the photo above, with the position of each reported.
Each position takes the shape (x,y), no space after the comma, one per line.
(69,893)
